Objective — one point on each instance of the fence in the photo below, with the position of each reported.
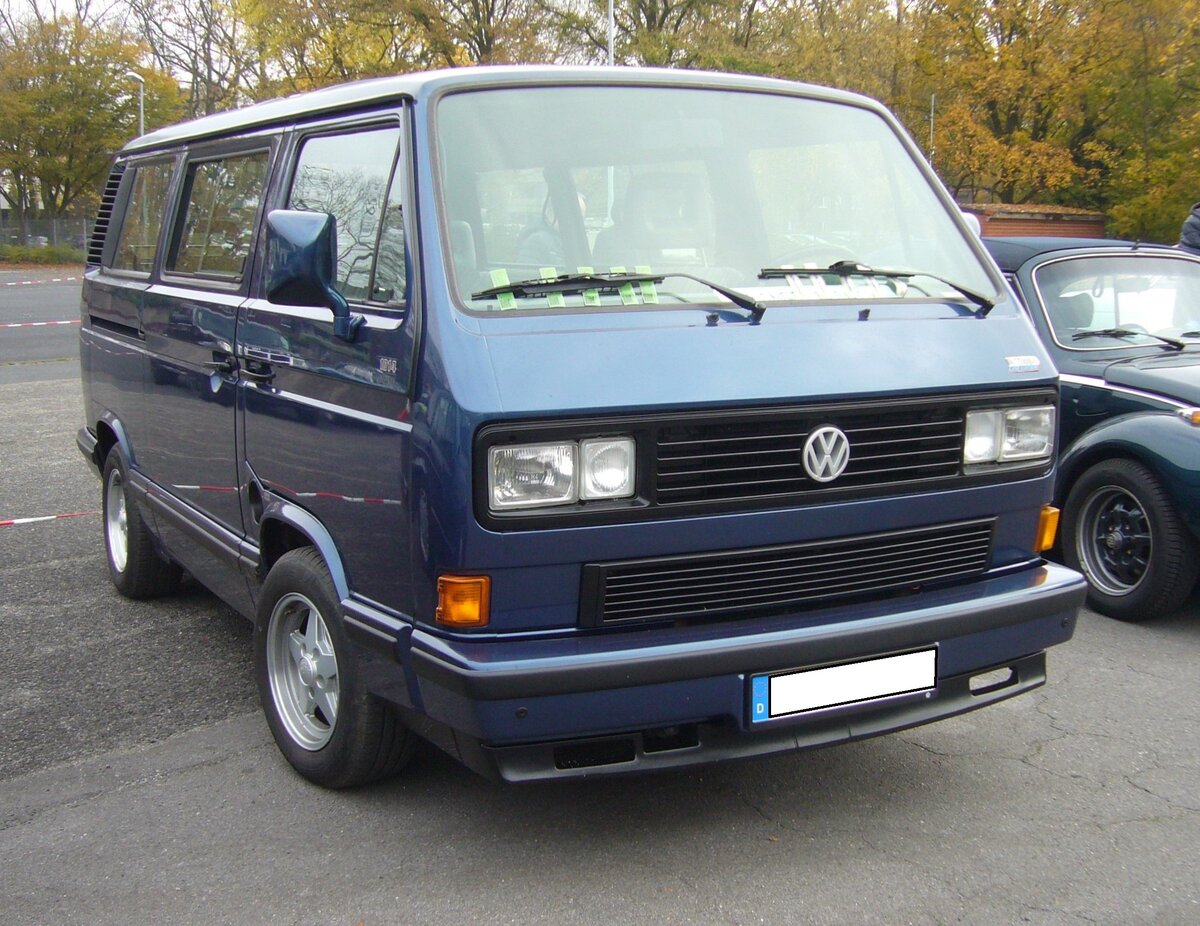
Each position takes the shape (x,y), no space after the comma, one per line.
(40,233)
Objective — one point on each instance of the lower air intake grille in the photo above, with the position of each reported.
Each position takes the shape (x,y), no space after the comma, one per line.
(754,583)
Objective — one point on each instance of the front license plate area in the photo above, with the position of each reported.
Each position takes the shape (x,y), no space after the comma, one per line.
(786,694)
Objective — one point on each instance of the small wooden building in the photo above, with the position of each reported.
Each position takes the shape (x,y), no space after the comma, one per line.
(1010,220)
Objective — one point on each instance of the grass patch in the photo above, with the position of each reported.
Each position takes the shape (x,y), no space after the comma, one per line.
(55,254)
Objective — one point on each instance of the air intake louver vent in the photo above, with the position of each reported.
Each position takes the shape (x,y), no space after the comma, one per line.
(771,580)
(104,217)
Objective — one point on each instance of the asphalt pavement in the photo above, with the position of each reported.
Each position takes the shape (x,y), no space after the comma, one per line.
(39,324)
(138,782)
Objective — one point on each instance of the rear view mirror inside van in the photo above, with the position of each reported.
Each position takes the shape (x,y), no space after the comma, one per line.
(301,255)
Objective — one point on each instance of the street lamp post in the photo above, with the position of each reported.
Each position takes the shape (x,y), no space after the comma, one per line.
(612,29)
(141,82)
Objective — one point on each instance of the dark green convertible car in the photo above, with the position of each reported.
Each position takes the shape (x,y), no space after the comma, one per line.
(1122,322)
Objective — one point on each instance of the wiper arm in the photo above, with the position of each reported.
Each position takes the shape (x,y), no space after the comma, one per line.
(849,268)
(1126,333)
(570,283)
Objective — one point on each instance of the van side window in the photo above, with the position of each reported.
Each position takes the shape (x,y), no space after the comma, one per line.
(390,283)
(347,175)
(138,242)
(222,198)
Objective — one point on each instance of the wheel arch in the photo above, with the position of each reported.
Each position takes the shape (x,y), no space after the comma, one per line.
(111,433)
(286,526)
(1161,441)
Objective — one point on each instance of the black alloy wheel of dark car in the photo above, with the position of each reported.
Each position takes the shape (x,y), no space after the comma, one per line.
(328,726)
(136,566)
(1121,531)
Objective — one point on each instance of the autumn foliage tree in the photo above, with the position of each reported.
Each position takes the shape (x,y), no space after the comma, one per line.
(67,105)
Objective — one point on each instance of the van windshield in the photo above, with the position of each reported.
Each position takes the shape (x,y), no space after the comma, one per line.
(718,185)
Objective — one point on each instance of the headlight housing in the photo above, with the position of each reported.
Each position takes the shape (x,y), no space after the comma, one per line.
(608,468)
(532,476)
(1009,435)
(560,473)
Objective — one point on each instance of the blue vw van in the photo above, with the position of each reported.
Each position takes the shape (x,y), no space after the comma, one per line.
(575,420)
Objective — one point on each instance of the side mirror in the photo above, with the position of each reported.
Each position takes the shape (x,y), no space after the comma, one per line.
(301,256)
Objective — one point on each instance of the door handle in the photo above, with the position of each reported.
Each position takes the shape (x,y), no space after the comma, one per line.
(225,365)
(258,371)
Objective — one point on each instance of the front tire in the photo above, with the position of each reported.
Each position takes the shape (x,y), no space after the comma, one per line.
(331,730)
(1122,532)
(136,567)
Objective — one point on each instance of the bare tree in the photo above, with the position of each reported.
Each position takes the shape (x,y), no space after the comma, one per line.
(206,45)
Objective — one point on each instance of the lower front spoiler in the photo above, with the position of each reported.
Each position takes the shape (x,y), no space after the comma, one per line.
(701,743)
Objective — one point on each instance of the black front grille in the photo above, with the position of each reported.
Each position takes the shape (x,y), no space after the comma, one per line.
(768,580)
(761,457)
(95,252)
(752,458)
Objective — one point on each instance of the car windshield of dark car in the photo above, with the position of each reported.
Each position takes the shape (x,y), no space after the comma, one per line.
(540,182)
(1120,300)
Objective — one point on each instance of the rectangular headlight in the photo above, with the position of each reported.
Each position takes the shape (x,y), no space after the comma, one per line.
(982,440)
(1028,433)
(608,467)
(533,475)
(1009,435)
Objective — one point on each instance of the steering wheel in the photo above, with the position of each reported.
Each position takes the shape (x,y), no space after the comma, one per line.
(821,254)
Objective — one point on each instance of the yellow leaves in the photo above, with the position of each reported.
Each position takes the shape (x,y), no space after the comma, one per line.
(1014,162)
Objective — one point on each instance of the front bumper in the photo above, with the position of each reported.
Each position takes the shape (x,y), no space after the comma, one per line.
(515,708)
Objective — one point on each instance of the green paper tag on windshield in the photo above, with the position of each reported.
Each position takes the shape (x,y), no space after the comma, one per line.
(628,297)
(590,296)
(649,293)
(500,278)
(556,299)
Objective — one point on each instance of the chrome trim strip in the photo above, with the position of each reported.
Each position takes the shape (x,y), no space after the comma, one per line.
(198,294)
(386,318)
(1097,383)
(94,331)
(377,420)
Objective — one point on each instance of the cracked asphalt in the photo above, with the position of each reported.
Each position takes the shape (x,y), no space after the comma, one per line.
(138,783)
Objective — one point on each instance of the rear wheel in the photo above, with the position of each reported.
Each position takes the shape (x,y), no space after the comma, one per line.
(136,567)
(1122,532)
(331,730)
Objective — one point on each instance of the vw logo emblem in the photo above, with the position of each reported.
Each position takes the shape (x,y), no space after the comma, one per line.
(826,454)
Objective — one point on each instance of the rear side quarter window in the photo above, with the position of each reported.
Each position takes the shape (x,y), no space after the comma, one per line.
(221,199)
(137,244)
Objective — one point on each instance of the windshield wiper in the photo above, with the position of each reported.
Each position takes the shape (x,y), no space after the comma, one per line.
(849,268)
(1126,333)
(571,283)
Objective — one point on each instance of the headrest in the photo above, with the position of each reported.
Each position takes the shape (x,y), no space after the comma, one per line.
(1071,313)
(668,210)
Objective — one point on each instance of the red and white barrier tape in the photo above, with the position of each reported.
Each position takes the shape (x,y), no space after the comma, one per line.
(12,522)
(41,282)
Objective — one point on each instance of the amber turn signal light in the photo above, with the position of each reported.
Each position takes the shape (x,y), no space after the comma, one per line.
(463,601)
(1047,529)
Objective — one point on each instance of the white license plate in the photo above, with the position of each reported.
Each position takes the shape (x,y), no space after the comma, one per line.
(788,693)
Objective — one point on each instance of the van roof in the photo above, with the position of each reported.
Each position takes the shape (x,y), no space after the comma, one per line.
(421,85)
